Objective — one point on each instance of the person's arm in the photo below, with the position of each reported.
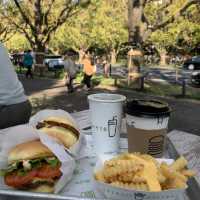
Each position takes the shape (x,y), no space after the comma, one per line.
(94,69)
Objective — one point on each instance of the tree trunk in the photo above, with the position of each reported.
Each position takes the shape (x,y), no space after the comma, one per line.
(135,21)
(39,46)
(81,54)
(113,55)
(137,31)
(39,57)
(163,57)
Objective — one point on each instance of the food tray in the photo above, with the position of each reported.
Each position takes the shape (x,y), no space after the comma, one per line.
(82,188)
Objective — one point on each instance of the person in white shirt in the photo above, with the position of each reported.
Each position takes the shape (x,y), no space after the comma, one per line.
(15,108)
(72,69)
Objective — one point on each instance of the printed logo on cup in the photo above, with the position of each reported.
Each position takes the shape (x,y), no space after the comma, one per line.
(156,145)
(106,115)
(99,128)
(139,196)
(112,127)
(160,120)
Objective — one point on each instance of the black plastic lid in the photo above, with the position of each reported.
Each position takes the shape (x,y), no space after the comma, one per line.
(147,108)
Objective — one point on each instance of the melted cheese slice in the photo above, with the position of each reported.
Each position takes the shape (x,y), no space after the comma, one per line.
(149,173)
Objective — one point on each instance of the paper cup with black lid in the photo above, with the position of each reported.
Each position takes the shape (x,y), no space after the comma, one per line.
(147,122)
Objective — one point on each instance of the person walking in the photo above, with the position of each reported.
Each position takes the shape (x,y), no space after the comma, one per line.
(15,107)
(89,69)
(28,62)
(106,67)
(72,69)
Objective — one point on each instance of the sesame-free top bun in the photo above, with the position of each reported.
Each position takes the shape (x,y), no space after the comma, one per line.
(64,130)
(28,150)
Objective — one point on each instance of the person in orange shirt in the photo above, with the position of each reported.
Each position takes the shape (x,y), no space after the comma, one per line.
(89,69)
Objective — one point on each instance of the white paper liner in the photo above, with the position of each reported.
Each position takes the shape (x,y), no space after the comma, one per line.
(23,133)
(112,192)
(79,149)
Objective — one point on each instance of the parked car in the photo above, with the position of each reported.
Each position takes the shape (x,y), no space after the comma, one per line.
(192,64)
(17,59)
(54,62)
(195,78)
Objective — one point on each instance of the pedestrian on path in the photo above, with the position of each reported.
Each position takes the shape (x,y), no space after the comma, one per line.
(89,69)
(72,69)
(28,62)
(15,108)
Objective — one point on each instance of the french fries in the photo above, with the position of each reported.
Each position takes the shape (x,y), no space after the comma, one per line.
(143,172)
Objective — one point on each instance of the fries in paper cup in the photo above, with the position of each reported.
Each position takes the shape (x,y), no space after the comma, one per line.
(138,176)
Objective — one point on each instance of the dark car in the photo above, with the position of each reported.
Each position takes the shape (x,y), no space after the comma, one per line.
(195,78)
(17,59)
(54,62)
(192,64)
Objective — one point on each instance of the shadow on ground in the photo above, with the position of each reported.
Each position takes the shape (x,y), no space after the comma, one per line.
(185,115)
(37,85)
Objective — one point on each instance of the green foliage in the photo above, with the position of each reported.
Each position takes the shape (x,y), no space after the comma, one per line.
(39,20)
(102,24)
(18,43)
(183,34)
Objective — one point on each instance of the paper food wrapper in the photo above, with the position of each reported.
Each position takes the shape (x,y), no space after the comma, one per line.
(79,150)
(23,133)
(112,192)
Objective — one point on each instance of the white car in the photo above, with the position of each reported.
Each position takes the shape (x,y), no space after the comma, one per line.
(54,62)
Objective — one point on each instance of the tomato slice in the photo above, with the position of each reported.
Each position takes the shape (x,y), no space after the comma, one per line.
(45,172)
(49,172)
(15,180)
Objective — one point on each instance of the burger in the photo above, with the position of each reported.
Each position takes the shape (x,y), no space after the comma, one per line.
(33,167)
(63,130)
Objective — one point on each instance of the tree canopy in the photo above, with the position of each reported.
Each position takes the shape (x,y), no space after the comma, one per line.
(100,24)
(37,20)
(182,35)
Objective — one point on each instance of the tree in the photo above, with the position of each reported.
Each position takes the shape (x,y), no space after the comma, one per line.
(101,25)
(161,14)
(177,36)
(39,19)
(18,43)
(149,16)
(3,33)
(111,27)
(77,33)
(5,30)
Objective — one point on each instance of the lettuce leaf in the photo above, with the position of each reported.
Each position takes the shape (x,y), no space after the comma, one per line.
(2,172)
(36,163)
(53,162)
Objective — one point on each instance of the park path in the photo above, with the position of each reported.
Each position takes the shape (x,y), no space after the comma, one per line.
(52,94)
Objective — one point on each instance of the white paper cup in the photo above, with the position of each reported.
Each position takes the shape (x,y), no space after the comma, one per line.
(106,115)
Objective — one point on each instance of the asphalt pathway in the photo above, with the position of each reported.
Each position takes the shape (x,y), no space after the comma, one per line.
(52,94)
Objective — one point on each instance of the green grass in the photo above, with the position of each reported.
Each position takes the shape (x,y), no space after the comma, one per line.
(152,88)
(162,89)
(158,89)
(96,80)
